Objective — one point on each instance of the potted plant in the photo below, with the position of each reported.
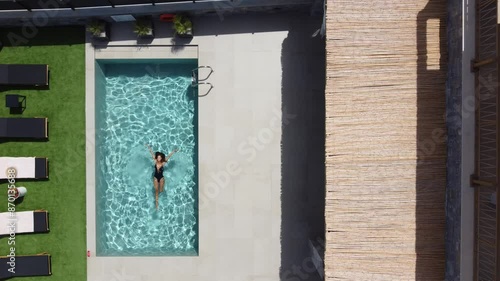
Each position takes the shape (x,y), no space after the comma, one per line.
(99,30)
(144,28)
(183,26)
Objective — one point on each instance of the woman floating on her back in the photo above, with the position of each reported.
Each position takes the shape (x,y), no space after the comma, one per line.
(158,179)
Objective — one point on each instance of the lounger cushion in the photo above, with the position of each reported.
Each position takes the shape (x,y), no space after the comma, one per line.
(23,128)
(39,265)
(24,74)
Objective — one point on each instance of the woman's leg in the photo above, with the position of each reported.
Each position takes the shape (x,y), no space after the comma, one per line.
(155,183)
(162,183)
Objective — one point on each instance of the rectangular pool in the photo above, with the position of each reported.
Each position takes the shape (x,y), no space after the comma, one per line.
(140,102)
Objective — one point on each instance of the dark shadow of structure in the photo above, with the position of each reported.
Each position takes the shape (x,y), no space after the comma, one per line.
(431,142)
(19,88)
(41,36)
(303,151)
(455,33)
(6,140)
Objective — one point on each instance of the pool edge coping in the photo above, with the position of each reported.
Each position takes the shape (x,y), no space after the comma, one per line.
(91,55)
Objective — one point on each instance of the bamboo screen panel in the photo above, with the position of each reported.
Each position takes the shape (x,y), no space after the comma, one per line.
(486,142)
(385,140)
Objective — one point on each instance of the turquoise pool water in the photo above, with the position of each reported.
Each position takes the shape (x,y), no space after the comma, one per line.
(139,102)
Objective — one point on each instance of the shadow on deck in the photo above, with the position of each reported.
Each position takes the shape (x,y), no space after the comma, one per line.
(303,152)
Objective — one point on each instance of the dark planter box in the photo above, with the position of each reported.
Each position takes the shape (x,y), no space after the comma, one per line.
(150,35)
(188,34)
(104,36)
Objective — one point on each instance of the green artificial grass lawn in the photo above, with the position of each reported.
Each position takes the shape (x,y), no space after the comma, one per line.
(63,194)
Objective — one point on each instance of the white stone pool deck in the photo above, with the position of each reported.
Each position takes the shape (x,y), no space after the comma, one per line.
(239,152)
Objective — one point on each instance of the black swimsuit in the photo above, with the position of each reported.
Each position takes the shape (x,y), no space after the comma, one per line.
(158,173)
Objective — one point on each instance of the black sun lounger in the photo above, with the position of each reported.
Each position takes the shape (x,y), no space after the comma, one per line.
(26,128)
(26,266)
(36,75)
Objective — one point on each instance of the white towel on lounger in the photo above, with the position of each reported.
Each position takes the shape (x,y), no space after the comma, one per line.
(25,167)
(20,222)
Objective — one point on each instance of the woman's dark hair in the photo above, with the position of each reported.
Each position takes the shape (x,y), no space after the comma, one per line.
(160,154)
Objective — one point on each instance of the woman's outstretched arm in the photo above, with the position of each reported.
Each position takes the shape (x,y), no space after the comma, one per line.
(171,153)
(150,151)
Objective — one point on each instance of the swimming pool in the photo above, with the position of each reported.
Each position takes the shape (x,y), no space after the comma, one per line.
(140,102)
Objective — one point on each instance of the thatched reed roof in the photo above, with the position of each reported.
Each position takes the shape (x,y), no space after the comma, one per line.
(385,147)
